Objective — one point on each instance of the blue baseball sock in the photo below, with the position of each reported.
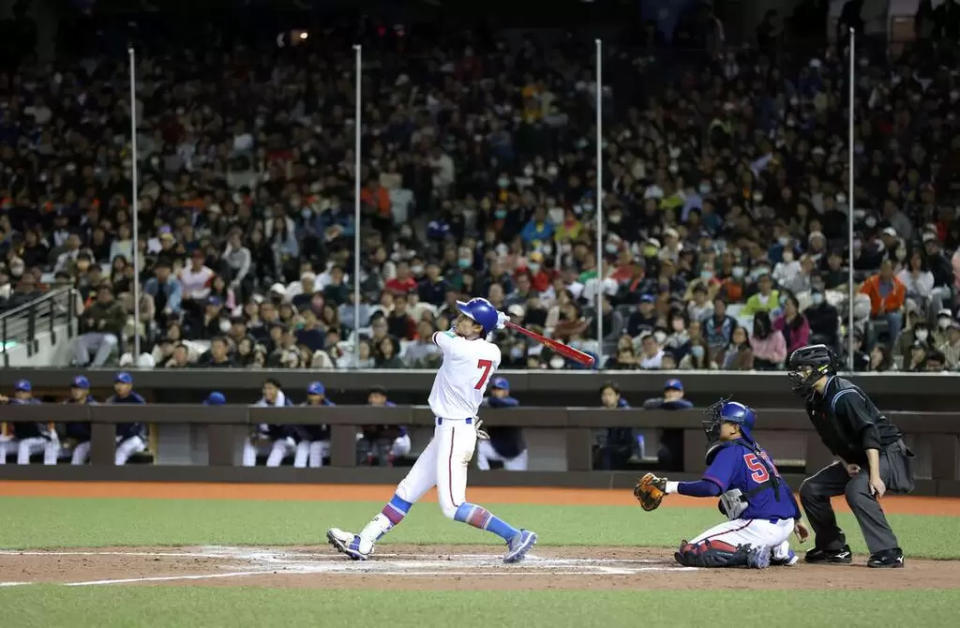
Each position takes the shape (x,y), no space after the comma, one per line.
(480,517)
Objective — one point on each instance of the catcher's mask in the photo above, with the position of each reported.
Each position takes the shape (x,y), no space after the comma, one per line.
(726,411)
(807,365)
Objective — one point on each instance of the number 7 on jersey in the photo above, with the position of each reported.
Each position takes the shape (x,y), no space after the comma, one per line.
(485,365)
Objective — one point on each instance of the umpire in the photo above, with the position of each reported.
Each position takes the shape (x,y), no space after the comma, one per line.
(871,459)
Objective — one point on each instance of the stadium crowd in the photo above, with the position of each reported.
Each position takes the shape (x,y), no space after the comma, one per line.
(725,196)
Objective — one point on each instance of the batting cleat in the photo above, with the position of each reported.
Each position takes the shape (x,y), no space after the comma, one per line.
(349,544)
(887,559)
(817,555)
(757,557)
(519,545)
(789,560)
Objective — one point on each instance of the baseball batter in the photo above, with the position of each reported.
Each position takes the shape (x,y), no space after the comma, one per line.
(468,363)
(759,505)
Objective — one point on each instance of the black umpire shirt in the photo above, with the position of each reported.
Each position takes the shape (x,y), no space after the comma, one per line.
(848,422)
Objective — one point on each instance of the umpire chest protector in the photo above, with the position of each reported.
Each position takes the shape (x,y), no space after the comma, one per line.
(846,419)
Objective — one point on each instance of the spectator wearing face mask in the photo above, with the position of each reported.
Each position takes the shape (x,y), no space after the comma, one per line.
(732,287)
(918,332)
(951,346)
(944,320)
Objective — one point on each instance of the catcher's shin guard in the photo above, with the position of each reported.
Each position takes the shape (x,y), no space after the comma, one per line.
(709,553)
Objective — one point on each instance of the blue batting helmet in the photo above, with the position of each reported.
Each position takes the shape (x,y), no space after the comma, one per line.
(480,311)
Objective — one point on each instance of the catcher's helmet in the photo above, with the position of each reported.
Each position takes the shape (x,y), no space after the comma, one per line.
(808,364)
(725,411)
(480,311)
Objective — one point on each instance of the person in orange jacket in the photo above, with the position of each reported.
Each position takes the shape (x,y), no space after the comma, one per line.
(887,294)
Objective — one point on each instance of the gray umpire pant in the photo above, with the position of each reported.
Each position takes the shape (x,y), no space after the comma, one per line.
(832,480)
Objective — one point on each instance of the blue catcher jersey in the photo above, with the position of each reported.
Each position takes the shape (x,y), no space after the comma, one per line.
(739,466)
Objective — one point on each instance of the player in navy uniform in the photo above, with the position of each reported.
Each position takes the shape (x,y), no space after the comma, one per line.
(506,443)
(78,432)
(758,503)
(313,441)
(131,437)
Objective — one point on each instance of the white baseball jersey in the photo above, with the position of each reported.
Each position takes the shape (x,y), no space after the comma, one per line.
(462,379)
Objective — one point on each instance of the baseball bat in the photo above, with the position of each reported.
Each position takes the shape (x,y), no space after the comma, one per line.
(567,352)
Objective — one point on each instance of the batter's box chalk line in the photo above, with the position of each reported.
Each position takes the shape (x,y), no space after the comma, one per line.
(254,561)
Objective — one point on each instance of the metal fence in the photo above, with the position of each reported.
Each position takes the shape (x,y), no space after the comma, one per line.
(21,325)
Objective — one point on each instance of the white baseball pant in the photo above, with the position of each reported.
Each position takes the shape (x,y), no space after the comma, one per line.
(443,464)
(30,446)
(486,453)
(127,448)
(311,453)
(7,446)
(81,452)
(756,532)
(278,450)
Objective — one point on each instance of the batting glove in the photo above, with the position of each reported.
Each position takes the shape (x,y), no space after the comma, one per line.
(502,319)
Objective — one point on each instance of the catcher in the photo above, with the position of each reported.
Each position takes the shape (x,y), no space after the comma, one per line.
(758,503)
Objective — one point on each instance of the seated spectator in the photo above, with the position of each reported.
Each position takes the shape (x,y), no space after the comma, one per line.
(718,328)
(700,307)
(917,360)
(917,279)
(208,322)
(100,327)
(698,357)
(644,318)
(166,292)
(218,357)
(880,361)
(768,345)
(793,325)
(195,280)
(765,300)
(823,320)
(738,354)
(423,353)
(651,355)
(399,322)
(887,295)
(385,355)
(625,358)
(275,439)
(934,362)
(951,347)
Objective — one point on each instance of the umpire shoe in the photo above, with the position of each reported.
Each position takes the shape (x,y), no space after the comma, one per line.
(817,555)
(889,559)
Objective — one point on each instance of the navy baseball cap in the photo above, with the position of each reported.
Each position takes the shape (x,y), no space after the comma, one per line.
(23,385)
(316,388)
(674,384)
(500,382)
(123,378)
(647,298)
(80,382)
(215,398)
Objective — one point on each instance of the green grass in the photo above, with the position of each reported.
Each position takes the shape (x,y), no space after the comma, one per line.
(51,605)
(36,522)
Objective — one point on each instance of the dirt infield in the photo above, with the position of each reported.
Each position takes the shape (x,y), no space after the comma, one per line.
(442,568)
(946,506)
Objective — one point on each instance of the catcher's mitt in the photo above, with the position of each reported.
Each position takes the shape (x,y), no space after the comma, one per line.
(649,491)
